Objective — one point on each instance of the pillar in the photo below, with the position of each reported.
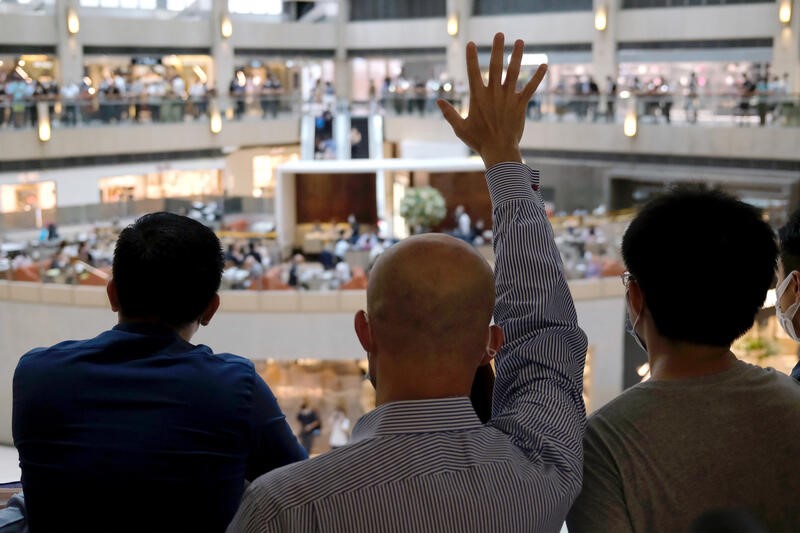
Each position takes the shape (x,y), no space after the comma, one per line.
(604,44)
(69,49)
(457,44)
(221,52)
(786,47)
(342,71)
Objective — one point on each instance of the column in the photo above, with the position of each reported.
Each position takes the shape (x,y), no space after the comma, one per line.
(69,48)
(460,10)
(786,48)
(604,44)
(342,72)
(221,52)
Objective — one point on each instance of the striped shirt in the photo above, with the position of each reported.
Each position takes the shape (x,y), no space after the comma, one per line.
(430,465)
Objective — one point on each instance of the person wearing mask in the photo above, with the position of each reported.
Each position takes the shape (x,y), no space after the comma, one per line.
(161,434)
(788,290)
(707,432)
(423,460)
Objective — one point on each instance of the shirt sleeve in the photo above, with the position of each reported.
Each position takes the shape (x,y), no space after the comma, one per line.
(601,503)
(272,443)
(537,398)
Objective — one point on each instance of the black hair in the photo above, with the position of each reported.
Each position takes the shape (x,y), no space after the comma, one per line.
(704,261)
(789,236)
(166,267)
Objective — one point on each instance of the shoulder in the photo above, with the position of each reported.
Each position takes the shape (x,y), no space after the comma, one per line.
(43,354)
(304,483)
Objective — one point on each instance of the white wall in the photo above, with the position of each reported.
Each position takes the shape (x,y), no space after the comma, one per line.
(80,185)
(99,29)
(132,139)
(675,139)
(281,325)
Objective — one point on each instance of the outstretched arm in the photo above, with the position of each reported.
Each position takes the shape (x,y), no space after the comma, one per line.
(538,392)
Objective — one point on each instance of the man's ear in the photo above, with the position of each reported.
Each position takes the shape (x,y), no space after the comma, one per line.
(113,298)
(496,339)
(636,298)
(210,310)
(363,333)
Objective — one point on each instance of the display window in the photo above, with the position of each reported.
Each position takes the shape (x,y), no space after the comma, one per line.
(166,184)
(264,170)
(19,197)
(30,67)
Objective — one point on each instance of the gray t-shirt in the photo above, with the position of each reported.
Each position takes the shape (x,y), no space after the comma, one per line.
(665,452)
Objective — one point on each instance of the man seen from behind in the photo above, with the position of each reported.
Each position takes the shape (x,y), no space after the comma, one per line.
(707,433)
(138,429)
(422,460)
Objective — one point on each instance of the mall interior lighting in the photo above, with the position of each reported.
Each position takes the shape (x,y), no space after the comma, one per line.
(452,25)
(631,124)
(785,12)
(226,27)
(44,129)
(73,22)
(215,122)
(601,18)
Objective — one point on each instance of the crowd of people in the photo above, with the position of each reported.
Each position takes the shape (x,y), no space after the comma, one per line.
(120,96)
(709,443)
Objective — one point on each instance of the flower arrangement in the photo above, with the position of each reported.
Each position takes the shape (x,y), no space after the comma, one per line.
(423,208)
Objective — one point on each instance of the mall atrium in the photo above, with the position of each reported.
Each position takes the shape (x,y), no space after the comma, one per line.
(306,135)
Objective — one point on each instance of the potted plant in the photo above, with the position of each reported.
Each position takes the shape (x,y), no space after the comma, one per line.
(423,208)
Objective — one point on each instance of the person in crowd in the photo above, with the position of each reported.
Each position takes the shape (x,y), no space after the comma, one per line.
(340,428)
(788,290)
(355,228)
(463,224)
(422,460)
(707,432)
(294,270)
(161,433)
(611,98)
(197,97)
(342,246)
(253,252)
(691,103)
(310,425)
(271,93)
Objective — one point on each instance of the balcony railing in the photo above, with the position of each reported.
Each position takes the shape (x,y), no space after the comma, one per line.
(707,110)
(95,111)
(713,110)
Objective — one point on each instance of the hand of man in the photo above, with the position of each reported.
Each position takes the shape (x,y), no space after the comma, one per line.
(496,117)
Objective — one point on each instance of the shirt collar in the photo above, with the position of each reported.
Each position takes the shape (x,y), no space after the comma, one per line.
(146,328)
(418,416)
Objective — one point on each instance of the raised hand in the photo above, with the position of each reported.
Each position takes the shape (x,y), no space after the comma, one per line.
(496,117)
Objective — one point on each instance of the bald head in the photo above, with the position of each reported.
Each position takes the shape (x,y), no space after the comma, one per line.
(429,295)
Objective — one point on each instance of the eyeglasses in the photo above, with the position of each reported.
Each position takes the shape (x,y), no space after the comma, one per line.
(626,278)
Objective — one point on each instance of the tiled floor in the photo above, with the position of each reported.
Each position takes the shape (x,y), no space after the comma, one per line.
(9,464)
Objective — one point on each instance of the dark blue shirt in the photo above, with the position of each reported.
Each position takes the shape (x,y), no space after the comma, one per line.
(139,430)
(796,372)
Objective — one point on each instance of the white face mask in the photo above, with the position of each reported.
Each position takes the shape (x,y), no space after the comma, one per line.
(631,327)
(786,317)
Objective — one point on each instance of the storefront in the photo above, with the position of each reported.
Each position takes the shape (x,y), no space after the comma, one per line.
(146,70)
(23,197)
(164,184)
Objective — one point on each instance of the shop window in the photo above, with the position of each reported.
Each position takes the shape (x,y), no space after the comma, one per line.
(635,4)
(256,7)
(170,5)
(504,7)
(27,196)
(264,172)
(408,9)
